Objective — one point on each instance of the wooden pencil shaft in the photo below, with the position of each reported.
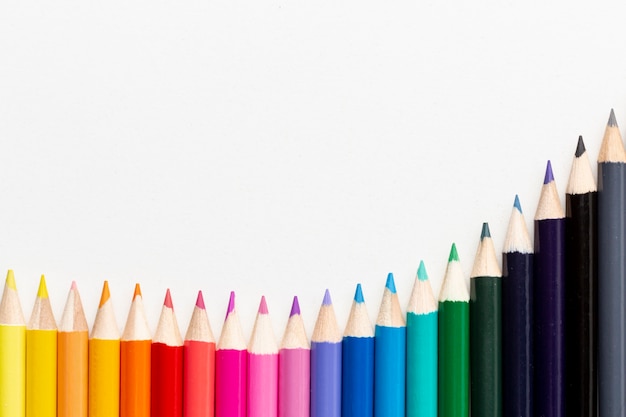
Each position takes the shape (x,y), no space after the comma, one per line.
(199,379)
(453,376)
(325,379)
(421,365)
(581,305)
(104,377)
(72,374)
(135,364)
(389,371)
(612,289)
(517,365)
(166,390)
(12,370)
(357,393)
(486,346)
(41,373)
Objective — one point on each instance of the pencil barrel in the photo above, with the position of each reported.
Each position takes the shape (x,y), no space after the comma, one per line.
(12,370)
(41,373)
(166,385)
(72,374)
(453,359)
(421,365)
(199,379)
(230,383)
(325,379)
(262,385)
(104,378)
(486,346)
(357,398)
(135,365)
(294,382)
(390,371)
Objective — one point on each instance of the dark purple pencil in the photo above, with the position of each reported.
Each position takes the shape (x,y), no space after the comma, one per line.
(549,302)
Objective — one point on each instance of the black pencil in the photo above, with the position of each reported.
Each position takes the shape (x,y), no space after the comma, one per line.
(581,289)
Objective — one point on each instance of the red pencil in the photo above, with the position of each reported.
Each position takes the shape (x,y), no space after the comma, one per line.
(199,364)
(167,365)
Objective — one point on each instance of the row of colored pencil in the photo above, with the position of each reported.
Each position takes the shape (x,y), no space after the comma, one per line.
(536,342)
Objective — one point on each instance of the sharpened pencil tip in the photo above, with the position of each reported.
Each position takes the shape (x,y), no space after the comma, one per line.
(42,292)
(231,304)
(390,284)
(485,231)
(200,301)
(454,255)
(10,282)
(263,306)
(327,301)
(74,287)
(517,204)
(168,300)
(295,307)
(422,275)
(612,121)
(358,294)
(105,293)
(580,147)
(549,175)
(137,291)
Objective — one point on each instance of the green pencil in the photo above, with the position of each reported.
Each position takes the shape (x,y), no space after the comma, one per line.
(454,341)
(486,330)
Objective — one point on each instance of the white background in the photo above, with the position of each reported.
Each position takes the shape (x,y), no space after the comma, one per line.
(281,147)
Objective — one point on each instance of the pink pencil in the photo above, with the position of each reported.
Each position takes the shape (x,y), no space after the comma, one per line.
(199,365)
(294,372)
(262,367)
(231,367)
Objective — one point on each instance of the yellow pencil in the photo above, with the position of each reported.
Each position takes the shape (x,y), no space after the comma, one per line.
(12,352)
(104,361)
(41,358)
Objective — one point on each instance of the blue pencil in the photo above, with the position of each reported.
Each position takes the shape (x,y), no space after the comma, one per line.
(326,363)
(358,362)
(390,356)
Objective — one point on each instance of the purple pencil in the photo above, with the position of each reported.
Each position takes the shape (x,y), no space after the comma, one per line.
(549,302)
(326,363)
(294,375)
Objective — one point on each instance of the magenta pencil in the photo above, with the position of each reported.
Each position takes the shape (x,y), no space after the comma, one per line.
(231,367)
(262,367)
(294,368)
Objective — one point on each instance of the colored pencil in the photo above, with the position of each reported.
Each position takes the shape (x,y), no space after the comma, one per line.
(135,349)
(12,352)
(486,330)
(41,358)
(104,360)
(517,265)
(294,368)
(549,302)
(166,386)
(612,273)
(326,363)
(390,355)
(72,358)
(199,364)
(421,349)
(453,333)
(262,367)
(581,289)
(357,377)
(231,367)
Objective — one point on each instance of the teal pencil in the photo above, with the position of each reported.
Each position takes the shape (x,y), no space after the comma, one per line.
(390,356)
(421,349)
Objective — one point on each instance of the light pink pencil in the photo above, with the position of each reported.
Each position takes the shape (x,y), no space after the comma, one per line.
(294,372)
(262,367)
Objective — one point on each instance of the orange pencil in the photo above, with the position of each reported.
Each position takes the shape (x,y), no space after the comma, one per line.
(72,358)
(104,361)
(135,361)
(199,365)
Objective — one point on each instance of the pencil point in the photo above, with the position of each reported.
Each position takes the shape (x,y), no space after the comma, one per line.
(11,280)
(105,293)
(485,232)
(327,301)
(421,272)
(295,307)
(137,291)
(612,121)
(42,292)
(580,147)
(200,301)
(358,295)
(231,304)
(74,286)
(390,284)
(517,204)
(168,300)
(454,256)
(549,175)
(263,306)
